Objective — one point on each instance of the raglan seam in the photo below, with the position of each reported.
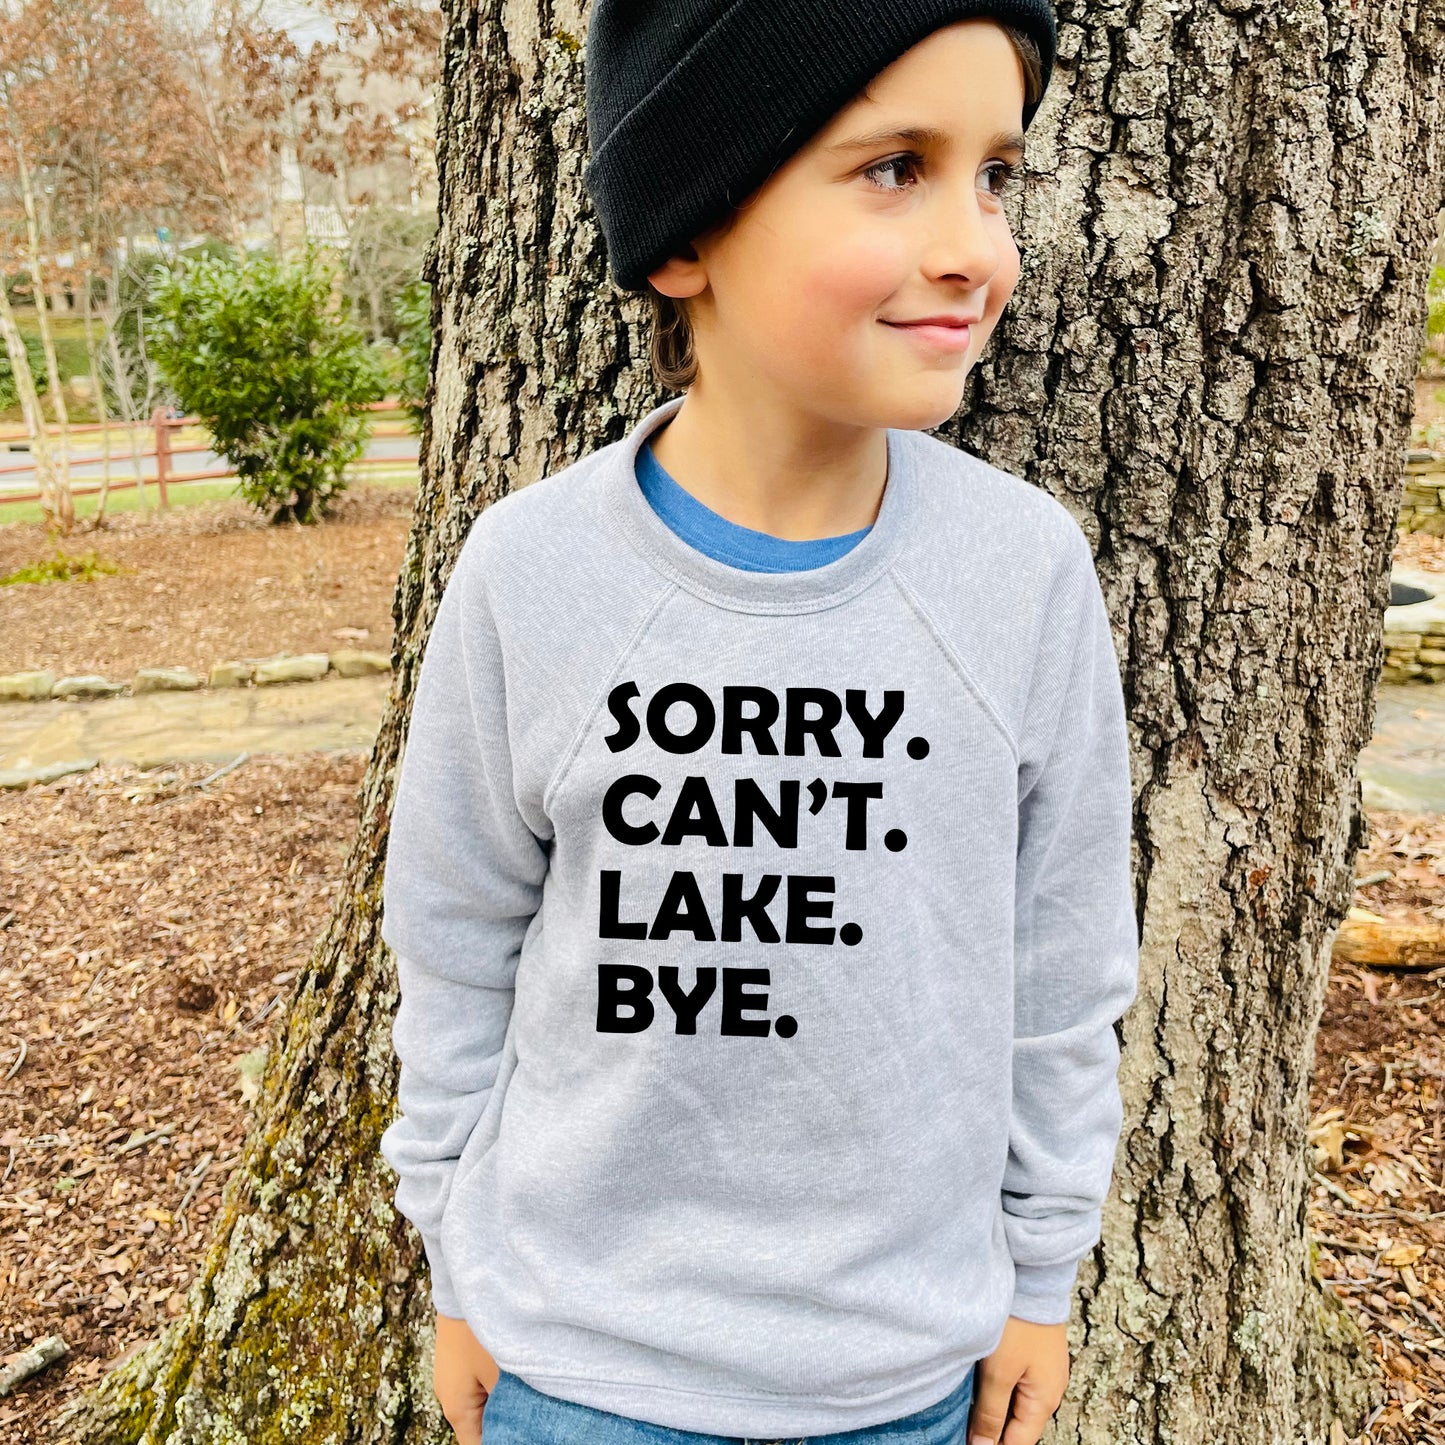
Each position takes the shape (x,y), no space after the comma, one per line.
(915,605)
(574,747)
(1082,643)
(1078,645)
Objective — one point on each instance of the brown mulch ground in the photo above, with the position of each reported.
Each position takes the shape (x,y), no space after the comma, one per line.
(1378,1206)
(150,932)
(150,929)
(207,582)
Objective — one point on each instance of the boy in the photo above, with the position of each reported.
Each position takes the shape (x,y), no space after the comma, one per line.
(759,875)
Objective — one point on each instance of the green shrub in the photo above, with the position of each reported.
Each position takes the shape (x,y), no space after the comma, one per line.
(9,395)
(1432,355)
(413,310)
(260,351)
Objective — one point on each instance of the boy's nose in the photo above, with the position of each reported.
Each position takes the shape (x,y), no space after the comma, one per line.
(960,242)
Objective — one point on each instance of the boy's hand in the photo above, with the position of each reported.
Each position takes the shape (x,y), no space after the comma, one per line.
(1031,1366)
(463,1375)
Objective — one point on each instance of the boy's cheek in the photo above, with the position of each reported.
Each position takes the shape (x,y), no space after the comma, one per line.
(865,270)
(848,285)
(856,281)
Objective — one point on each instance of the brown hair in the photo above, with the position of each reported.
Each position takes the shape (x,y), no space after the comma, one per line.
(674,360)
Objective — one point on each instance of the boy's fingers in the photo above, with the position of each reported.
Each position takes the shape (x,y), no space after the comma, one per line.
(466,1417)
(992,1392)
(1030,1415)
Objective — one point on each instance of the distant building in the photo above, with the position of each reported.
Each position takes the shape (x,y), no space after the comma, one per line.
(383,153)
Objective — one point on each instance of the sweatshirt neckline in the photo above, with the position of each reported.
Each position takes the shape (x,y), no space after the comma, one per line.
(736,588)
(708,531)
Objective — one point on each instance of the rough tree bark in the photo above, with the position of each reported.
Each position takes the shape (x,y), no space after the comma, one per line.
(1210,360)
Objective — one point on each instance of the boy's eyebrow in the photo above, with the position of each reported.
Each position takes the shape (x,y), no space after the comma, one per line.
(1004,140)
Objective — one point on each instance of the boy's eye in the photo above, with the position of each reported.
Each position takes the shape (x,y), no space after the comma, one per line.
(1002,170)
(1006,173)
(878,167)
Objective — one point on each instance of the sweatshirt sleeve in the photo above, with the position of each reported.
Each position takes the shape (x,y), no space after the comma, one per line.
(463,880)
(1076,949)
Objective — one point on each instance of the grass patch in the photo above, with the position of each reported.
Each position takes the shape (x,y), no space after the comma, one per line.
(68,332)
(84,567)
(181,494)
(71,357)
(184,494)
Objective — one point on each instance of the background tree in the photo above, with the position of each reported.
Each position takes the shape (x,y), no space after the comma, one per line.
(413,311)
(1210,361)
(239,69)
(396,37)
(18,64)
(122,140)
(384,254)
(100,140)
(262,352)
(19,379)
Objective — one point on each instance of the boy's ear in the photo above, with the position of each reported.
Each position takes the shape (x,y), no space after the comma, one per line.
(680,275)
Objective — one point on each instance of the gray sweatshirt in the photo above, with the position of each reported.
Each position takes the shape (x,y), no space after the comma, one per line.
(761,939)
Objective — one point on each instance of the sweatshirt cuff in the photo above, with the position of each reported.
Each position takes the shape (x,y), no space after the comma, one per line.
(1044,1293)
(443,1296)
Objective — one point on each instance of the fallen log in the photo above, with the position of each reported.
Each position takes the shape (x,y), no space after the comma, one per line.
(32,1361)
(1376,942)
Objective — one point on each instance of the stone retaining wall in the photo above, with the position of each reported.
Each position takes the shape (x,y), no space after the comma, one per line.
(239,672)
(1422,505)
(1415,631)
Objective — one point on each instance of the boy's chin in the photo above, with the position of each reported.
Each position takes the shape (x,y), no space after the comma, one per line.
(929,402)
(913,402)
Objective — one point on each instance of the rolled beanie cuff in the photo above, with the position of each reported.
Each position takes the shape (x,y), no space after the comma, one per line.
(728,113)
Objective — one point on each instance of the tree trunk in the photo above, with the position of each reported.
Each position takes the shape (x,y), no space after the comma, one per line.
(121,373)
(120,376)
(102,410)
(1209,359)
(51,498)
(65,508)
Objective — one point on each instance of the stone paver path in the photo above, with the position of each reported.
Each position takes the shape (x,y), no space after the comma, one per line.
(1403,767)
(166,727)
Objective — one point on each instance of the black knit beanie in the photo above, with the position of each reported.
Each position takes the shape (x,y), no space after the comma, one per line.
(691,104)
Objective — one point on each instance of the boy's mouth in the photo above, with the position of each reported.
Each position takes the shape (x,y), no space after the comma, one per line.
(943,332)
(941,318)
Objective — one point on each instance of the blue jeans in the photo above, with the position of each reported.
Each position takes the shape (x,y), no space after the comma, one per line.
(516,1414)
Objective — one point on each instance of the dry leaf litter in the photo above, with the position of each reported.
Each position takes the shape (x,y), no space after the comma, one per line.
(151,933)
(206,583)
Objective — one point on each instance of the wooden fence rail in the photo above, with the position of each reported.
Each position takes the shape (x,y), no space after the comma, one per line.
(161,449)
